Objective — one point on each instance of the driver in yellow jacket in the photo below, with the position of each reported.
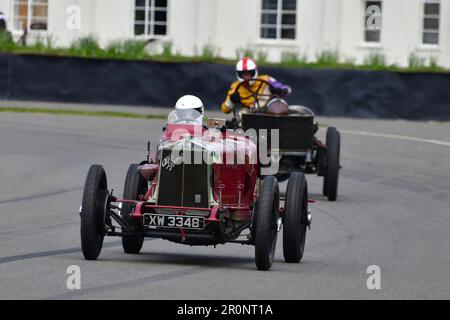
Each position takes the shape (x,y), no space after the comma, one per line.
(247,72)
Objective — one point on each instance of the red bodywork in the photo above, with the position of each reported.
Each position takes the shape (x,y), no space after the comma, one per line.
(234,184)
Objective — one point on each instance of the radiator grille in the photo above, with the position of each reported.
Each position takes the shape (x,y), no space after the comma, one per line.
(184,184)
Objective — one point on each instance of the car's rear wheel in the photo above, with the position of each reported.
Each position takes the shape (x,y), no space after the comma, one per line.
(295,218)
(331,179)
(267,215)
(93,212)
(325,185)
(135,187)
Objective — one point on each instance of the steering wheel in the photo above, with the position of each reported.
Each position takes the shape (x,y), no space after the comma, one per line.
(253,94)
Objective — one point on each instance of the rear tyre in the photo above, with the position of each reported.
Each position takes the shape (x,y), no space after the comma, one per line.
(296,218)
(333,163)
(267,215)
(93,212)
(325,186)
(135,187)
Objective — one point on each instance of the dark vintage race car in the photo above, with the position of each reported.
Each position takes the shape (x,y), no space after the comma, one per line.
(298,149)
(190,192)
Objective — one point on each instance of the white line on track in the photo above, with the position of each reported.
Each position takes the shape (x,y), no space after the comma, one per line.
(398,137)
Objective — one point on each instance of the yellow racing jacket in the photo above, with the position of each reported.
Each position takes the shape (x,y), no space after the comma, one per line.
(247,99)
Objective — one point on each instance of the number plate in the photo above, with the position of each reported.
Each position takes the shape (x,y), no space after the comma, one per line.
(171,221)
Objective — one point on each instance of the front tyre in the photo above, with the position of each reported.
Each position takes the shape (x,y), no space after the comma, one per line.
(135,187)
(267,215)
(93,212)
(296,218)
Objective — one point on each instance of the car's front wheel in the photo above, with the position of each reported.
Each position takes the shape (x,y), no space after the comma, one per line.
(267,215)
(295,218)
(93,212)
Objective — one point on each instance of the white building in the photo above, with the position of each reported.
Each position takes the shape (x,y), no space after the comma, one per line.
(356,28)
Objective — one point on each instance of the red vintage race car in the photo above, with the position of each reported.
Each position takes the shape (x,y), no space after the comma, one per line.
(203,186)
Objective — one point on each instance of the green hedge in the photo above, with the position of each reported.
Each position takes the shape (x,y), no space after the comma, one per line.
(88,47)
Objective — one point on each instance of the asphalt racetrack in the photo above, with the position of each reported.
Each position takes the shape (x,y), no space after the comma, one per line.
(393,211)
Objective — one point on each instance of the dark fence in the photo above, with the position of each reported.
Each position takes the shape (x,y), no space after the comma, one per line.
(369,94)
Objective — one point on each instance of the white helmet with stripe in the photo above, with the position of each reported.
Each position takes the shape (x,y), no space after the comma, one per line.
(246,65)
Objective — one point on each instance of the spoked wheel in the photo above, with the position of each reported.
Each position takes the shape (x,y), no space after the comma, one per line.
(267,215)
(330,183)
(93,212)
(135,187)
(296,218)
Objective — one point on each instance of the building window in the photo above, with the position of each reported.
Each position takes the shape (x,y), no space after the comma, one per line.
(431,11)
(372,21)
(30,15)
(150,18)
(278,19)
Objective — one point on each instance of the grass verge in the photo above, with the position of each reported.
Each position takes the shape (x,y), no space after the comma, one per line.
(73,112)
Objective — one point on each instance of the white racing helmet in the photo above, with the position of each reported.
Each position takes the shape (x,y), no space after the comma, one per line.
(246,65)
(190,105)
(190,102)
